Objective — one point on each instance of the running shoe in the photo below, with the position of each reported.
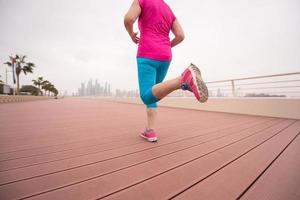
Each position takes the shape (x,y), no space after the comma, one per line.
(149,135)
(191,80)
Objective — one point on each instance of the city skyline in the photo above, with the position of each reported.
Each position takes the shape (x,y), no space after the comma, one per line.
(96,89)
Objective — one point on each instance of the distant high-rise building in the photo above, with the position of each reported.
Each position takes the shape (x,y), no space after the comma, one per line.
(82,90)
(94,89)
(219,93)
(109,92)
(89,87)
(105,89)
(97,88)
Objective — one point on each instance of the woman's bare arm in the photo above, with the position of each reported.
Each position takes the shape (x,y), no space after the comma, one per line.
(178,32)
(129,19)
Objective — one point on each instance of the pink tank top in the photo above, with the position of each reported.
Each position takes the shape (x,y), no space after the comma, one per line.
(155,23)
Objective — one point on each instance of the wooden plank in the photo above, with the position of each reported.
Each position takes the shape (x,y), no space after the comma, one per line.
(121,139)
(174,181)
(177,135)
(40,131)
(50,168)
(107,184)
(282,179)
(233,179)
(125,160)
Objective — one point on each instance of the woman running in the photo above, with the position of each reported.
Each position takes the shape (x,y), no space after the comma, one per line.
(154,56)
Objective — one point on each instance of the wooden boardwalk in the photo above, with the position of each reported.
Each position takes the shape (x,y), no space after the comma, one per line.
(89,149)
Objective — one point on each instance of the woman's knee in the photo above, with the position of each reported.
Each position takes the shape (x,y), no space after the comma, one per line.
(148,97)
(147,101)
(145,98)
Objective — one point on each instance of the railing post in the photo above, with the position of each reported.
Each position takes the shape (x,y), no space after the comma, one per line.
(233,88)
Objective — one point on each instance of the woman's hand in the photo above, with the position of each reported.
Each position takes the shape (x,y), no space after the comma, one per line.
(135,38)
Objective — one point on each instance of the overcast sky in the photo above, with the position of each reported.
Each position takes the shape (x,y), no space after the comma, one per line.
(72,41)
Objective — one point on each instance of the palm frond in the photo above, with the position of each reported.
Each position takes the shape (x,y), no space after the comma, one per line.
(8,63)
(30,64)
(23,59)
(35,82)
(27,69)
(46,82)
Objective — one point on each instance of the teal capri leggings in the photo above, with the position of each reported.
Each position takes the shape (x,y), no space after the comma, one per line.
(150,72)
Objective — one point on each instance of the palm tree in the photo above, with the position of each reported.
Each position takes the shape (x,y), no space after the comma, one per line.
(53,90)
(38,82)
(46,86)
(21,66)
(50,89)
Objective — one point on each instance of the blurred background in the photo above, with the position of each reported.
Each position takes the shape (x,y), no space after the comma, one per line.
(83,49)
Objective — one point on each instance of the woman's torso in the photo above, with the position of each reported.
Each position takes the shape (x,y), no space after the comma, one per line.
(155,23)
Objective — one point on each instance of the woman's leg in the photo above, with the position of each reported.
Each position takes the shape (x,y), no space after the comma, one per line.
(151,73)
(161,90)
(151,118)
(147,78)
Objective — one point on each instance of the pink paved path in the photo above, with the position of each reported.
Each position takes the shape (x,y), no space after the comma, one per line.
(90,149)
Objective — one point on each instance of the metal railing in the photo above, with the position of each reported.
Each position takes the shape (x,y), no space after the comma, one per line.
(276,85)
